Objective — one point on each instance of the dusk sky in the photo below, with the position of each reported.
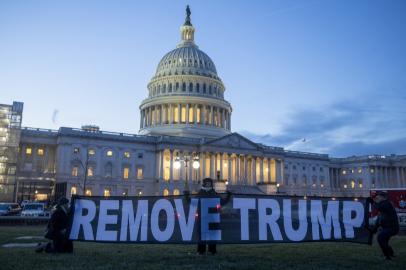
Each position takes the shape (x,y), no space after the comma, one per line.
(325,76)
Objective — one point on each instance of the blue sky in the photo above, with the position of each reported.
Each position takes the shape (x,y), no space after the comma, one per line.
(324,76)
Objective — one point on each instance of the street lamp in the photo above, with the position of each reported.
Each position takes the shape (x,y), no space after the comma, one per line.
(186,159)
(85,167)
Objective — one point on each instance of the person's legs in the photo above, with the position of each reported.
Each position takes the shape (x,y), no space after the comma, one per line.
(201,248)
(383,239)
(212,248)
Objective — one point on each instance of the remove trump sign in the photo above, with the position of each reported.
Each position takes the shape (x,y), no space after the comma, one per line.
(221,218)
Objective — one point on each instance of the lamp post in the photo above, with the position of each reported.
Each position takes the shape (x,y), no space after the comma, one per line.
(186,159)
(85,167)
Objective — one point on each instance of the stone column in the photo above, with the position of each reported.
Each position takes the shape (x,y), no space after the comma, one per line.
(187,113)
(195,114)
(254,170)
(212,161)
(237,169)
(211,122)
(269,171)
(222,118)
(245,176)
(221,166)
(261,170)
(171,165)
(179,113)
(230,170)
(161,165)
(398,180)
(141,119)
(203,165)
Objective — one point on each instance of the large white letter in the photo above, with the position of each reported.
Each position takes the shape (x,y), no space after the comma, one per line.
(105,219)
(139,223)
(207,218)
(165,205)
(332,216)
(186,226)
(349,223)
(300,233)
(264,220)
(83,221)
(244,204)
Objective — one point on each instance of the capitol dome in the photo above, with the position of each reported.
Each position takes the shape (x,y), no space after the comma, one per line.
(186,96)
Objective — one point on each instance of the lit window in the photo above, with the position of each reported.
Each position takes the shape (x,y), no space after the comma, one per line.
(125,192)
(352,170)
(126,173)
(176,115)
(344,172)
(352,184)
(76,150)
(106,192)
(191,115)
(73,191)
(359,170)
(360,185)
(127,154)
(91,152)
(90,171)
(345,186)
(88,192)
(109,153)
(40,152)
(176,192)
(183,114)
(165,192)
(372,170)
(139,173)
(198,115)
(75,171)
(28,151)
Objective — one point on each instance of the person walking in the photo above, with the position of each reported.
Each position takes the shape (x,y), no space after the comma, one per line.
(387,221)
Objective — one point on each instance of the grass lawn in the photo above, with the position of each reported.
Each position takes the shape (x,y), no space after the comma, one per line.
(91,256)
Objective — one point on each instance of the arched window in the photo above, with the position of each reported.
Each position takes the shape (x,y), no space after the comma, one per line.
(176,86)
(165,192)
(197,88)
(184,87)
(210,91)
(176,192)
(190,87)
(204,88)
(159,89)
(164,89)
(170,88)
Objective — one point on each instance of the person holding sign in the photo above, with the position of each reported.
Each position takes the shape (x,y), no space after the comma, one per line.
(387,220)
(208,190)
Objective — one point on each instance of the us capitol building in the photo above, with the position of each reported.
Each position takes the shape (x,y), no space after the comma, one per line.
(185,135)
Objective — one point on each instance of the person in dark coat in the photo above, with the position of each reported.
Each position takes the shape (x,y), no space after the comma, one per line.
(387,221)
(208,190)
(57,230)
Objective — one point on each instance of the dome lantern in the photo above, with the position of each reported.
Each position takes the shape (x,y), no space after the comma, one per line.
(187,31)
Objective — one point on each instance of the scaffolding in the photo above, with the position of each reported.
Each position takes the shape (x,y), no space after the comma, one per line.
(10,131)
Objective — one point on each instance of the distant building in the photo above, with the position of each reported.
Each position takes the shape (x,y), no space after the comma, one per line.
(10,128)
(185,135)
